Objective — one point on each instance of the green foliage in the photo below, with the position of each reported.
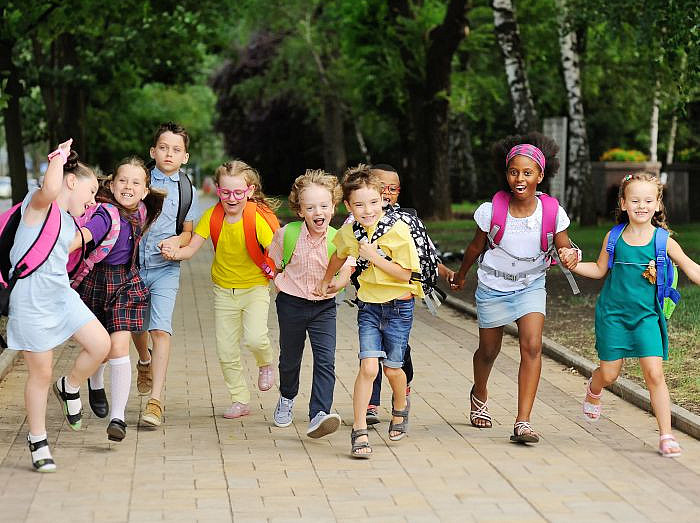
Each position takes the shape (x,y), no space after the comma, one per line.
(623,155)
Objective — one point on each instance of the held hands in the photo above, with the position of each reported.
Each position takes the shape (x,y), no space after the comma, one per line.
(457,281)
(322,289)
(569,257)
(446,273)
(169,248)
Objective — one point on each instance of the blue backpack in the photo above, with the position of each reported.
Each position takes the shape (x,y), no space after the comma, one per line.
(666,271)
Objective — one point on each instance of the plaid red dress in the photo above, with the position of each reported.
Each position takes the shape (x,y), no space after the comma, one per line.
(116,294)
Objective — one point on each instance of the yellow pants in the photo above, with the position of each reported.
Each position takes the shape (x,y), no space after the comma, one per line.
(240,315)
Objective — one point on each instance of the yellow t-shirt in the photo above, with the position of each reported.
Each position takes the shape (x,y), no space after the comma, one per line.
(376,286)
(233,268)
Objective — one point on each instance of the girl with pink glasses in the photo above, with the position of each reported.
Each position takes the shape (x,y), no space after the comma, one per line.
(241,226)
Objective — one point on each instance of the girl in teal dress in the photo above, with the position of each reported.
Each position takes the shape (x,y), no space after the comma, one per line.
(629,322)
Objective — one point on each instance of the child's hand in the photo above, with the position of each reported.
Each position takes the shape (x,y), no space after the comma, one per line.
(446,273)
(321,289)
(169,246)
(569,257)
(457,281)
(369,251)
(333,287)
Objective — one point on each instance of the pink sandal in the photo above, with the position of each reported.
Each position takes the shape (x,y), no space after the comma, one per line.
(266,377)
(237,410)
(591,411)
(668,446)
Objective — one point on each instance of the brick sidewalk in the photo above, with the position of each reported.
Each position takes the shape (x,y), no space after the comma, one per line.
(200,466)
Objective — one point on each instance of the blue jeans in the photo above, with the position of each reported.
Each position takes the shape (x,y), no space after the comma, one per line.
(296,317)
(384,329)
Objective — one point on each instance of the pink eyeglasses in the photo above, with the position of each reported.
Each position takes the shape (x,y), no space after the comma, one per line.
(238,194)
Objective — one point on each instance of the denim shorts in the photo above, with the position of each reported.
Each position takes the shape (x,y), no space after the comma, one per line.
(497,308)
(163,283)
(384,329)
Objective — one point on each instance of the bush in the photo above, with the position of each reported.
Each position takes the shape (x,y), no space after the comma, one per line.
(623,155)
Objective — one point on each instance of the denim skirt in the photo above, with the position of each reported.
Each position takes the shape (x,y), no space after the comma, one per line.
(497,308)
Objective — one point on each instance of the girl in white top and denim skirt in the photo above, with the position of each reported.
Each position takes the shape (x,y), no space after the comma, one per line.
(511,275)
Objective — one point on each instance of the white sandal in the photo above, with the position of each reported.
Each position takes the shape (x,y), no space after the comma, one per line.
(668,446)
(591,411)
(524,433)
(480,413)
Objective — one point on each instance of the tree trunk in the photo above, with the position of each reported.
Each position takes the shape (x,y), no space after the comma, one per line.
(579,194)
(508,36)
(428,88)
(334,157)
(461,161)
(654,125)
(672,140)
(12,119)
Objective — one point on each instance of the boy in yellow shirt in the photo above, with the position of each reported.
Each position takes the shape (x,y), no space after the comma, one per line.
(387,258)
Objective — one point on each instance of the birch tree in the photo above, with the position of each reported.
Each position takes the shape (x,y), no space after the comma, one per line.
(579,197)
(508,36)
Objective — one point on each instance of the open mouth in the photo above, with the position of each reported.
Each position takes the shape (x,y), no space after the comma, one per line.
(318,222)
(126,195)
(520,188)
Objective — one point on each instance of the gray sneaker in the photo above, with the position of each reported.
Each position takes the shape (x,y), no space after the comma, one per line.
(283,412)
(323,424)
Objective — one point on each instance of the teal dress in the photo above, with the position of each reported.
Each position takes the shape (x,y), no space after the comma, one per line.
(629,322)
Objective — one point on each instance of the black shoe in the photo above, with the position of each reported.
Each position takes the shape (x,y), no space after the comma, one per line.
(372,415)
(98,401)
(116,430)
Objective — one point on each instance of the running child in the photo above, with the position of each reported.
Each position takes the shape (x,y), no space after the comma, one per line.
(173,228)
(44,311)
(391,187)
(300,267)
(629,319)
(240,228)
(113,289)
(382,243)
(512,262)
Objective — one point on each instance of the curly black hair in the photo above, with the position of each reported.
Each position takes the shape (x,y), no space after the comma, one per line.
(500,150)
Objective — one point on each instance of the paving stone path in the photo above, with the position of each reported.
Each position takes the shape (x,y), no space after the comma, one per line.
(201,467)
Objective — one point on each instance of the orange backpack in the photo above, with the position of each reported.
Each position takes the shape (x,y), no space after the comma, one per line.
(256,251)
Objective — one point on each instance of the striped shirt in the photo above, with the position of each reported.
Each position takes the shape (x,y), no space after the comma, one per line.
(307,265)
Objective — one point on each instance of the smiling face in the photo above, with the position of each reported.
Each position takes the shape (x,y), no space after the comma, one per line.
(392,186)
(641,201)
(169,152)
(234,192)
(129,186)
(365,204)
(316,203)
(82,193)
(523,176)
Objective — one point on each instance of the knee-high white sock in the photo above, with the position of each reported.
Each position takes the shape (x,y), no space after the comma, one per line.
(97,380)
(120,380)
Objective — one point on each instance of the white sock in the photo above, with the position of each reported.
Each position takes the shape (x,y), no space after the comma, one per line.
(97,380)
(120,379)
(145,362)
(43,452)
(74,406)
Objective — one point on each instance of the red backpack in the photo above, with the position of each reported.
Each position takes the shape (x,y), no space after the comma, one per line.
(257,252)
(548,251)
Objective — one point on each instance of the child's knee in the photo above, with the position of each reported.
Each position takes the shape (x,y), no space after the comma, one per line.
(369,368)
(531,347)
(608,375)
(41,375)
(159,337)
(654,377)
(391,372)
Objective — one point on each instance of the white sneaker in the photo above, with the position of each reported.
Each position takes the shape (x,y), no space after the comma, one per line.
(323,424)
(284,416)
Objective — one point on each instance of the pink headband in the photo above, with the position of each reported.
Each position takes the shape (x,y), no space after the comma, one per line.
(525,149)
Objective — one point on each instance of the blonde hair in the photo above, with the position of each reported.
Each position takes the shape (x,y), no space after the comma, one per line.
(314,177)
(358,177)
(251,177)
(659,218)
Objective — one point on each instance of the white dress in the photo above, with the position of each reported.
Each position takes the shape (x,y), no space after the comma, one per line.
(44,310)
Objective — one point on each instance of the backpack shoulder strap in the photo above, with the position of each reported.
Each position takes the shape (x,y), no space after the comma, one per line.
(40,250)
(143,213)
(184,202)
(660,241)
(216,221)
(330,234)
(550,208)
(290,237)
(615,234)
(499,212)
(256,251)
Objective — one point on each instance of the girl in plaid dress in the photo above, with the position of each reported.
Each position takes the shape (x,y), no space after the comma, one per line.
(113,289)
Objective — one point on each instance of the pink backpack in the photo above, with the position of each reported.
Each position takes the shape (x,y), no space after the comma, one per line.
(499,212)
(81,263)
